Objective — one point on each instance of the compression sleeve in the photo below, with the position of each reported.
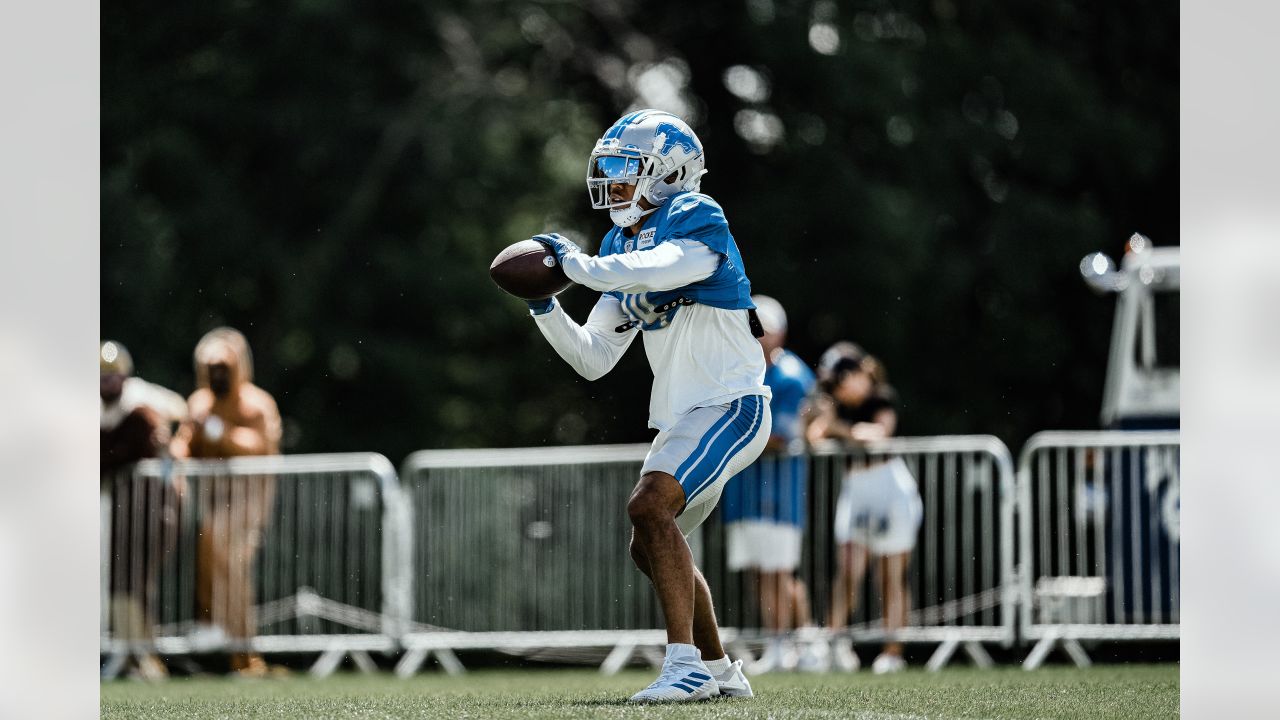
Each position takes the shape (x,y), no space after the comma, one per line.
(591,349)
(667,266)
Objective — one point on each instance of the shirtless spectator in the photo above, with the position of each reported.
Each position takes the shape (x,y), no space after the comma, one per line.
(230,417)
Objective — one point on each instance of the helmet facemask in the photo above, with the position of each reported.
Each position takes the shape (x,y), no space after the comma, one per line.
(609,166)
(647,170)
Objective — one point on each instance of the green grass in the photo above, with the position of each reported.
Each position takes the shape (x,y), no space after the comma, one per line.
(1110,691)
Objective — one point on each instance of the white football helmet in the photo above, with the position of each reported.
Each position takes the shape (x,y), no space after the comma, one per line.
(644,148)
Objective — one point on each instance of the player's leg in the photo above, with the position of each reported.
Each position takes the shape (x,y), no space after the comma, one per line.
(652,508)
(659,549)
(706,632)
(680,483)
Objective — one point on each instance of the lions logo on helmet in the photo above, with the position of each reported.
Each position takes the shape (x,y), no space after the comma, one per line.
(645,148)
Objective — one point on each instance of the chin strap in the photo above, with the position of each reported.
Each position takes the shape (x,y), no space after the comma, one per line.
(624,218)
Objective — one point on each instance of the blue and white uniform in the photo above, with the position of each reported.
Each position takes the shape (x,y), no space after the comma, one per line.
(764,506)
(681,282)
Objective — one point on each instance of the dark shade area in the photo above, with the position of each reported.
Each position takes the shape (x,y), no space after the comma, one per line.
(334,178)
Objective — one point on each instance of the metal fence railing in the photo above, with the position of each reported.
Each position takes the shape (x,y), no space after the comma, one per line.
(961,584)
(526,549)
(1099,541)
(304,553)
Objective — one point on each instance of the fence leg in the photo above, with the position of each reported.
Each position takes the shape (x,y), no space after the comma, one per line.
(655,656)
(617,658)
(410,663)
(327,662)
(364,662)
(1041,650)
(115,664)
(742,651)
(1077,653)
(978,654)
(943,654)
(449,661)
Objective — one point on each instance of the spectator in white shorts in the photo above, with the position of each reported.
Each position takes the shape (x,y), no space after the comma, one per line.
(879,510)
(763,507)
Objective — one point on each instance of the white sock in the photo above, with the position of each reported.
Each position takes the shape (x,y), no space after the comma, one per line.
(682,650)
(718,667)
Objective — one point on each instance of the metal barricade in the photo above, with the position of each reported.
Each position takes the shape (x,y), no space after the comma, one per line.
(524,548)
(527,549)
(961,584)
(1099,545)
(284,554)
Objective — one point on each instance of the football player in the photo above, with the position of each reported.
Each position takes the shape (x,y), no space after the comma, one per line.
(670,270)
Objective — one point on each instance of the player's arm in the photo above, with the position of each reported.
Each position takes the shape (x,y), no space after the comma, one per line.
(592,349)
(666,266)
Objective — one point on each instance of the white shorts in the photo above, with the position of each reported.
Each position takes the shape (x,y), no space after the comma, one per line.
(880,507)
(705,448)
(764,545)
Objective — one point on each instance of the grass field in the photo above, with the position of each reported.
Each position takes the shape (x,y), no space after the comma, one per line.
(1107,691)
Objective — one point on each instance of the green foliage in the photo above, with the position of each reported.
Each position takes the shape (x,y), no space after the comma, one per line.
(333,179)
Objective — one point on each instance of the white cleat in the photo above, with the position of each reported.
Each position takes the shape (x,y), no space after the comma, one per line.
(684,678)
(884,664)
(778,656)
(732,683)
(843,656)
(816,657)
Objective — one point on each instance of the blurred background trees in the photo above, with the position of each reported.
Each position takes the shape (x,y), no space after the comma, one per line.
(333,179)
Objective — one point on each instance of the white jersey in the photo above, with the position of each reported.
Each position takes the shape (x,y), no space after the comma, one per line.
(700,355)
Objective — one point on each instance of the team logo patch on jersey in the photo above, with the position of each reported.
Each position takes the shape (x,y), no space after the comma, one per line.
(646,238)
(628,246)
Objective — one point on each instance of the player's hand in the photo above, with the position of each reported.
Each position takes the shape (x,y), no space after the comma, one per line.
(559,244)
(540,307)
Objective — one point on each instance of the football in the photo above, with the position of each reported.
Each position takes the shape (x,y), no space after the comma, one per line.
(529,270)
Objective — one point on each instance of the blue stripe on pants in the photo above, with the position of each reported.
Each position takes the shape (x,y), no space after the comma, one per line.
(701,450)
(728,441)
(745,439)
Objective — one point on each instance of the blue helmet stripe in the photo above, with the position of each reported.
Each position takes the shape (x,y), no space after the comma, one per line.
(616,131)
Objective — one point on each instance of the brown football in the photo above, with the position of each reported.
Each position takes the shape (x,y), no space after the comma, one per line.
(529,270)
